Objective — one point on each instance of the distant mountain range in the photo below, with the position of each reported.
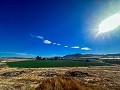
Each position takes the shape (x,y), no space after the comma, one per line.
(79,55)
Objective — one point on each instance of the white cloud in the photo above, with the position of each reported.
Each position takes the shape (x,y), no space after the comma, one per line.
(47,42)
(85,48)
(42,38)
(58,44)
(75,47)
(66,46)
(54,43)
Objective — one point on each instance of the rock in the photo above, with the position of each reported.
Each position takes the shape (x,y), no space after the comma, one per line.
(76,74)
(48,74)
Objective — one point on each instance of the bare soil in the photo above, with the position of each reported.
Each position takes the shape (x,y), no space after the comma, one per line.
(95,78)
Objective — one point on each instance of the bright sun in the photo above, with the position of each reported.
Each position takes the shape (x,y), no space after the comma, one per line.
(109,23)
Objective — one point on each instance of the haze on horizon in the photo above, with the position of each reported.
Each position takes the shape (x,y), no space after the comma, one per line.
(58,27)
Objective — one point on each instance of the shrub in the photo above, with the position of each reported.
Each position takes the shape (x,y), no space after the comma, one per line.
(62,83)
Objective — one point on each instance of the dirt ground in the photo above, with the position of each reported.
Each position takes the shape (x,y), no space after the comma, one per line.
(104,77)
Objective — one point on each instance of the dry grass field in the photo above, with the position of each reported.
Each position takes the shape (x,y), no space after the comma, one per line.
(69,78)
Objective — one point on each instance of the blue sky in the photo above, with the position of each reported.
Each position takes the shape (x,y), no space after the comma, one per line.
(56,27)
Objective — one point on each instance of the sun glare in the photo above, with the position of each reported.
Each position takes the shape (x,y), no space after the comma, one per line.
(109,23)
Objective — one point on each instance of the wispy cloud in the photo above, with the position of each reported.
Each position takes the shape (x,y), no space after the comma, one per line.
(40,37)
(18,53)
(85,48)
(47,42)
(75,47)
(65,46)
(58,44)
(22,54)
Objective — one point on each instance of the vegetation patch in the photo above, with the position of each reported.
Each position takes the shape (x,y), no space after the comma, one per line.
(112,61)
(76,74)
(53,63)
(13,73)
(64,83)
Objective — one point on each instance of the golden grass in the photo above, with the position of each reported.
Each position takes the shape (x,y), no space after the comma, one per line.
(63,83)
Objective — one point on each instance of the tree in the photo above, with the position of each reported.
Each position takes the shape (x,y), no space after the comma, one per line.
(38,58)
(56,58)
(87,60)
(44,59)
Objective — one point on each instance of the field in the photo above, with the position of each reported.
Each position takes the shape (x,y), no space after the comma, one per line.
(60,75)
(65,78)
(54,63)
(112,61)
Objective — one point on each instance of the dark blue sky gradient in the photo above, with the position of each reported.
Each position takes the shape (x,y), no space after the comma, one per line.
(68,22)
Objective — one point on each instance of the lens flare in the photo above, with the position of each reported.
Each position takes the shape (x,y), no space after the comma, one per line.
(109,23)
